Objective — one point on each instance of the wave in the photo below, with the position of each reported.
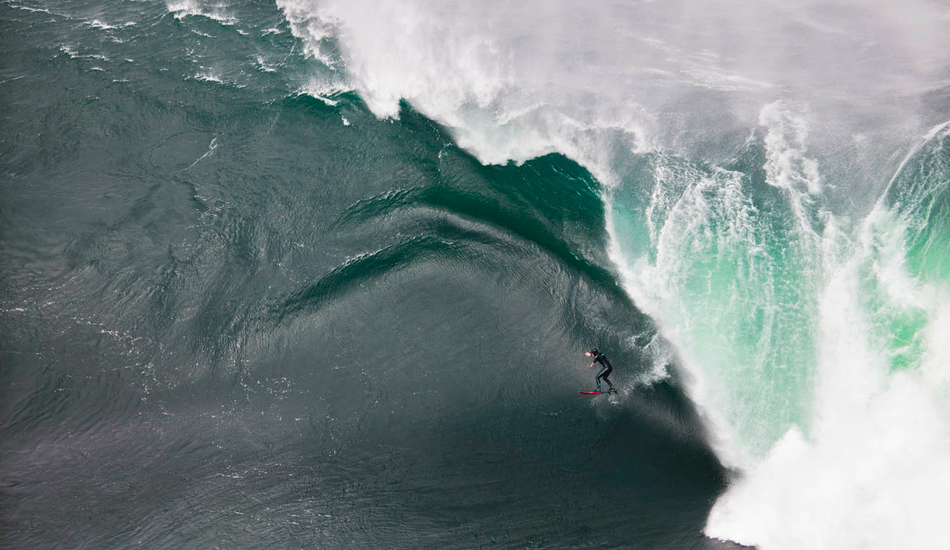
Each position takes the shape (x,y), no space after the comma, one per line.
(742,151)
(738,173)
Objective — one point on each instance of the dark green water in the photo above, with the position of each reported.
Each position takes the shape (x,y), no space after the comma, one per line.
(235,316)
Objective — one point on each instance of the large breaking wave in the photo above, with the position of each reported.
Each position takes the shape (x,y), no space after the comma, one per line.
(770,203)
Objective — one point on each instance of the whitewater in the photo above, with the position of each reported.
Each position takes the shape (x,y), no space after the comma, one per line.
(776,199)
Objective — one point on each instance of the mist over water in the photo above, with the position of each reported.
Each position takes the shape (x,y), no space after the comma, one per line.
(754,155)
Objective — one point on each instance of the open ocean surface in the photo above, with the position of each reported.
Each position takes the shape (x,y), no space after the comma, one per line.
(321,273)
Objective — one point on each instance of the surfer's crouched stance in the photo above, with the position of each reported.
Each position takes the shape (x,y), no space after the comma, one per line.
(604,372)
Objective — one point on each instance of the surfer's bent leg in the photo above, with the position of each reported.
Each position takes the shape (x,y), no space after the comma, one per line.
(604,374)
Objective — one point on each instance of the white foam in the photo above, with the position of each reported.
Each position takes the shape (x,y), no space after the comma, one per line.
(30,9)
(517,80)
(879,479)
(216,11)
(787,163)
(208,76)
(323,91)
(451,62)
(263,65)
(95,23)
(310,23)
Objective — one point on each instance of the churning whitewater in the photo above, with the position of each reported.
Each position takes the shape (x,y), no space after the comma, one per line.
(321,273)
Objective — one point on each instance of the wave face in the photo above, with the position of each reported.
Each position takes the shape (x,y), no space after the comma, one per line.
(269,276)
(749,154)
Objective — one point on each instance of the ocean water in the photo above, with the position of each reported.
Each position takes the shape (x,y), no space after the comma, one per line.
(321,273)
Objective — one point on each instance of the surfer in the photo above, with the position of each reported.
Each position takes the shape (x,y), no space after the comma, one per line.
(605,371)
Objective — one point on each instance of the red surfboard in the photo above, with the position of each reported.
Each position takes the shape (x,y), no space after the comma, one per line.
(598,392)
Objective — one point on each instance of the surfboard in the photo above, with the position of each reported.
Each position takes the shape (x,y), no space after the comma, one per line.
(598,392)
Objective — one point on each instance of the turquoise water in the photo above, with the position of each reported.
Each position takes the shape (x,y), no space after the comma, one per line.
(737,273)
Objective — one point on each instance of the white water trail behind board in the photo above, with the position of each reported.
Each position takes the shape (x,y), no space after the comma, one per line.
(846,455)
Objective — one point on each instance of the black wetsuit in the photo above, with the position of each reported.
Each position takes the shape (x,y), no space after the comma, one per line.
(604,372)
